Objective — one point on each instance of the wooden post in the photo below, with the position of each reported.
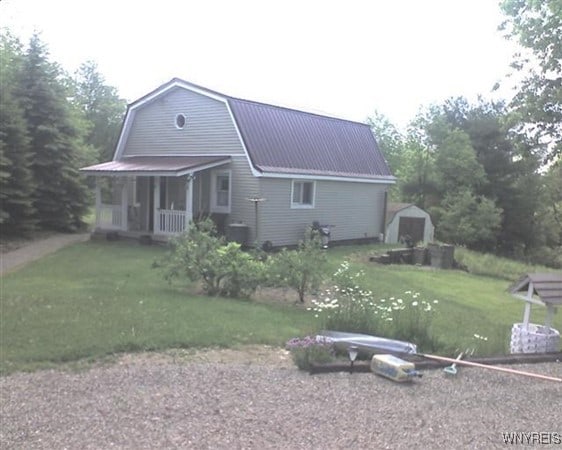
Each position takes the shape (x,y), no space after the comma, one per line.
(527,314)
(124,204)
(156,202)
(550,311)
(98,201)
(188,200)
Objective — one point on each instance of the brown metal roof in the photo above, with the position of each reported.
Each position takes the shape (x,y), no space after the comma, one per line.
(285,140)
(288,141)
(154,165)
(548,286)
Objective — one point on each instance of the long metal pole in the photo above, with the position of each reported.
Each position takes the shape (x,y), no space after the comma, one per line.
(485,366)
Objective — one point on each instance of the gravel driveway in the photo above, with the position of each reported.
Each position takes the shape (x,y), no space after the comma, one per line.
(164,401)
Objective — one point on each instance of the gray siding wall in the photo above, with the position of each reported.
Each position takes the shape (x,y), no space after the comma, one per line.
(209,130)
(244,185)
(209,127)
(356,210)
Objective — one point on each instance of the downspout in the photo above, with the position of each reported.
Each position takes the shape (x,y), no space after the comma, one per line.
(383,225)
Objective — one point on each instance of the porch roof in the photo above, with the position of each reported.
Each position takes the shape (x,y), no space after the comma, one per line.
(174,166)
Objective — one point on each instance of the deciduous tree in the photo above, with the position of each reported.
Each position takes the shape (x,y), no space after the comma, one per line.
(102,107)
(537,25)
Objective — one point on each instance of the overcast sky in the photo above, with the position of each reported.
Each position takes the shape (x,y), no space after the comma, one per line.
(344,58)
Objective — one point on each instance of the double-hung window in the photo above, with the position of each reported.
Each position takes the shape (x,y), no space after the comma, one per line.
(302,194)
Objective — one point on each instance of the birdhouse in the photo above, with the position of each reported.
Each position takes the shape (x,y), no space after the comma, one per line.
(542,289)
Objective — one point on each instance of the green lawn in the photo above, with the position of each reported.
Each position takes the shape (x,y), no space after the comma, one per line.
(468,304)
(100,298)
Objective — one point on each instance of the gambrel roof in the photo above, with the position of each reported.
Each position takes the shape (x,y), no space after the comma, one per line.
(286,140)
(283,141)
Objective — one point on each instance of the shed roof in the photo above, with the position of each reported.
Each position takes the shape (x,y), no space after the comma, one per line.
(393,208)
(156,165)
(288,141)
(547,286)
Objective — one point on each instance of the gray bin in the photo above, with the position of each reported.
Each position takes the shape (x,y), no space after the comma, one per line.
(441,256)
(238,232)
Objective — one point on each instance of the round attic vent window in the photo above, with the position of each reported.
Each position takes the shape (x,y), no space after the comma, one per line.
(180,121)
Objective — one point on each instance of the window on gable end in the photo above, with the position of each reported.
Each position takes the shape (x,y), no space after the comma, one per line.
(181,121)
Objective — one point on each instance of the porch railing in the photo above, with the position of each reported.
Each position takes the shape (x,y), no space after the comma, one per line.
(171,221)
(109,217)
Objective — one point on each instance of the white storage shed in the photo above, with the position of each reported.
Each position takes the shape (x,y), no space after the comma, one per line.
(406,220)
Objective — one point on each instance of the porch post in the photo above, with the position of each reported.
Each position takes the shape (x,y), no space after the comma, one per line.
(188,200)
(124,204)
(98,201)
(156,202)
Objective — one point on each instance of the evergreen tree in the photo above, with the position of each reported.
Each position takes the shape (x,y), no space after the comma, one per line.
(55,141)
(16,183)
(4,179)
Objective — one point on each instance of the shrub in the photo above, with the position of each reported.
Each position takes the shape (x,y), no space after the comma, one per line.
(302,269)
(310,350)
(201,255)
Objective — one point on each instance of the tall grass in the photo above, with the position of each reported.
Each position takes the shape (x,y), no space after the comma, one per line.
(489,265)
(468,303)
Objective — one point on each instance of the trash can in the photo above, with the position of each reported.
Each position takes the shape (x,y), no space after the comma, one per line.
(420,256)
(441,256)
(238,232)
(324,231)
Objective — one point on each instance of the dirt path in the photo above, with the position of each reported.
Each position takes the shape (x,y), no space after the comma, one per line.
(16,259)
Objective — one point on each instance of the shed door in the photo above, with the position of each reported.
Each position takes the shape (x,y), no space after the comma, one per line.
(413,227)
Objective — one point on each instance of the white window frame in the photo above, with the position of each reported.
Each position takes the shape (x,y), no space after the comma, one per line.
(219,208)
(303,205)
(184,121)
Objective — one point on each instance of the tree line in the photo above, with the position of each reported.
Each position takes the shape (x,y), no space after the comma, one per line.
(51,124)
(490,173)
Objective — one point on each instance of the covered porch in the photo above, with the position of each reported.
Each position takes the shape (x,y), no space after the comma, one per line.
(157,196)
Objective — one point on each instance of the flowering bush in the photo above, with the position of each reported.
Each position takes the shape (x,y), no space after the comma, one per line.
(310,350)
(347,306)
(412,318)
